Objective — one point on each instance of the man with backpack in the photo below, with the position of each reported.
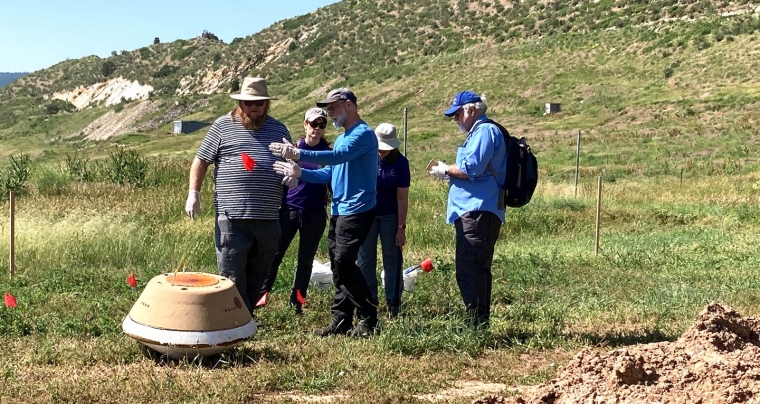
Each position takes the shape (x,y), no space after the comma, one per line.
(476,200)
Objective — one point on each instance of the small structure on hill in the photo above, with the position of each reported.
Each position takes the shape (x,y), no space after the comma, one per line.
(551,108)
(181,127)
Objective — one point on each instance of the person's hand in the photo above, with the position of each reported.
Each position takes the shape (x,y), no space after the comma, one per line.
(193,204)
(290,182)
(285,150)
(288,168)
(439,171)
(400,237)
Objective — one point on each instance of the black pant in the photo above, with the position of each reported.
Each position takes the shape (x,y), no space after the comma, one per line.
(311,225)
(345,236)
(476,235)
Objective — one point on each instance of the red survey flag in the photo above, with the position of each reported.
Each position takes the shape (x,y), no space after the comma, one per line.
(248,162)
(263,300)
(427,265)
(10,300)
(299,297)
(132,280)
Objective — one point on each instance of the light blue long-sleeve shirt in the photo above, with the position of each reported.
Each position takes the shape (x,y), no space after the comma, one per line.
(351,168)
(480,191)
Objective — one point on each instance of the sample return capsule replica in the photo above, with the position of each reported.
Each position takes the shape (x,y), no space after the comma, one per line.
(188,314)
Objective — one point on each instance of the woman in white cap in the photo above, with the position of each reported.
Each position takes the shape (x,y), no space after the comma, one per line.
(303,211)
(393,179)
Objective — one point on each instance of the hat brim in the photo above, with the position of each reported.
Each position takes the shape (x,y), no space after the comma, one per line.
(313,118)
(452,110)
(389,145)
(326,102)
(244,97)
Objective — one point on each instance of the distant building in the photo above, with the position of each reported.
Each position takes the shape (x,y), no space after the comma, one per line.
(551,108)
(181,127)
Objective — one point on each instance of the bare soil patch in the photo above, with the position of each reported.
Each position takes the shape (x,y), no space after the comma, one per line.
(716,361)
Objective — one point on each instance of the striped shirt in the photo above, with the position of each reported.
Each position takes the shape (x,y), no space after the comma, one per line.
(241,193)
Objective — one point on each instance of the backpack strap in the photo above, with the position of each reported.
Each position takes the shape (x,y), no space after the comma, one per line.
(504,133)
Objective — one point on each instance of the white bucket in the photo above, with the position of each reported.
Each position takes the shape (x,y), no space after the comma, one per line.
(410,280)
(321,275)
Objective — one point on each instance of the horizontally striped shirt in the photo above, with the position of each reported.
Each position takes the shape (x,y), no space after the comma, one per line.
(240,193)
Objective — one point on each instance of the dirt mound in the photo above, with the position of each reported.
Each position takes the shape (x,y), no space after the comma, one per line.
(716,361)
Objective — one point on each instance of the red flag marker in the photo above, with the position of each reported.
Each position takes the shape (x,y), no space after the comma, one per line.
(263,300)
(10,300)
(132,280)
(427,265)
(248,162)
(299,297)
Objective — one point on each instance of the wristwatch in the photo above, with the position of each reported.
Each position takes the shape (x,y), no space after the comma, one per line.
(402,226)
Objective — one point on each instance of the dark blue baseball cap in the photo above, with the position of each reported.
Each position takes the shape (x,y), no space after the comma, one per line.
(461,99)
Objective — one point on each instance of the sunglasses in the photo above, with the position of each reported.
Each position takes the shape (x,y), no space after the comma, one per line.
(318,124)
(257,103)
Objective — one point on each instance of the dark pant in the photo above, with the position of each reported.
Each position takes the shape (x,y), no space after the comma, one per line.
(345,236)
(385,227)
(476,235)
(311,225)
(245,249)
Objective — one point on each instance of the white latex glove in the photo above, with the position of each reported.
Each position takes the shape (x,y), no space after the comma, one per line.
(439,171)
(287,168)
(285,150)
(290,182)
(193,204)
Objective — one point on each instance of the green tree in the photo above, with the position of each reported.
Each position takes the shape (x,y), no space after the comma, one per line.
(108,68)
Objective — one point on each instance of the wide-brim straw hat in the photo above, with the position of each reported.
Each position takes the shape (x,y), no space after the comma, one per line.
(253,89)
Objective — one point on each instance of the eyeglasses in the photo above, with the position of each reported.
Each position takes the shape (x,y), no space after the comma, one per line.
(257,103)
(320,124)
(331,109)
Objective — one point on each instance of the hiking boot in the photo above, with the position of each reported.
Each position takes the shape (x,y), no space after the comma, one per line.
(393,311)
(337,327)
(365,328)
(299,310)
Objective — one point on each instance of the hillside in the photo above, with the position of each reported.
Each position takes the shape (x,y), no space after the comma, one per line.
(588,55)
(6,78)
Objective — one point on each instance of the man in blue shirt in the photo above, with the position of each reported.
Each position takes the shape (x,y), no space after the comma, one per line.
(351,168)
(474,200)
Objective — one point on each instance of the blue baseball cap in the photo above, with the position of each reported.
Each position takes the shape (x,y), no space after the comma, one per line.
(463,98)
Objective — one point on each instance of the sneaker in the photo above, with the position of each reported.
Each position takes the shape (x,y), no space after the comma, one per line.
(365,328)
(337,327)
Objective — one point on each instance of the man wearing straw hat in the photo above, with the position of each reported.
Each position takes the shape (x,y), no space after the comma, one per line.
(248,192)
(351,168)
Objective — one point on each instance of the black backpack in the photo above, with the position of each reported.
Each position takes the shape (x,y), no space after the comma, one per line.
(522,169)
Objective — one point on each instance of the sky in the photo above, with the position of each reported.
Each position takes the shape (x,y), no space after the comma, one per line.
(35,35)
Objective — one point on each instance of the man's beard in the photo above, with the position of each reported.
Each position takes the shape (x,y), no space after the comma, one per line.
(462,128)
(248,123)
(339,120)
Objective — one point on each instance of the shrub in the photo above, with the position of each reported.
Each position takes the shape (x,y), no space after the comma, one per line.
(78,167)
(127,167)
(107,68)
(15,175)
(156,41)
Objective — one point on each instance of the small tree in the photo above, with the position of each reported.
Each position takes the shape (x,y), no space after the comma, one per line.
(210,36)
(108,68)
(235,86)
(156,41)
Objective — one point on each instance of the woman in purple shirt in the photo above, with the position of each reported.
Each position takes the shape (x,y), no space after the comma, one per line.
(303,210)
(393,180)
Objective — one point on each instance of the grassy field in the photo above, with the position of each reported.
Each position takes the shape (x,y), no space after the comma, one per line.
(677,152)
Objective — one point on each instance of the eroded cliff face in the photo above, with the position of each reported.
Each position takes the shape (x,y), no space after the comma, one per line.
(109,92)
(205,81)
